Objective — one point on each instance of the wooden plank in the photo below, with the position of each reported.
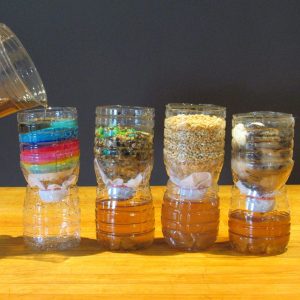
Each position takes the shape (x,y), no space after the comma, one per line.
(159,272)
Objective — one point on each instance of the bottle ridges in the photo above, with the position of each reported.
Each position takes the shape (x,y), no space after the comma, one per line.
(124,225)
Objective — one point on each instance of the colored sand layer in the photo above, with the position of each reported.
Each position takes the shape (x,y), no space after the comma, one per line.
(123,141)
(123,152)
(49,146)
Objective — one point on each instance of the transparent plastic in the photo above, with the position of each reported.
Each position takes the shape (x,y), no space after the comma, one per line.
(262,160)
(20,84)
(49,156)
(51,225)
(194,138)
(123,164)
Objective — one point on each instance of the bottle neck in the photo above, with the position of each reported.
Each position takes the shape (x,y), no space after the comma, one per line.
(192,193)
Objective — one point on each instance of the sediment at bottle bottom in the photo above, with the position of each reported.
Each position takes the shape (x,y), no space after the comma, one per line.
(124,224)
(52,243)
(190,225)
(259,233)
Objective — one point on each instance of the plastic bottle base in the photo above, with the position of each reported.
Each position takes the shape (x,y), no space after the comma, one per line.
(258,246)
(189,241)
(51,243)
(125,242)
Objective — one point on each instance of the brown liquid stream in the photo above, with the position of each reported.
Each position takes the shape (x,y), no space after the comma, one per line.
(8,106)
(259,233)
(190,225)
(124,225)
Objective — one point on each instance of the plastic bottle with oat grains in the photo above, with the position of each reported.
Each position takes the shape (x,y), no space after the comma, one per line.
(194,138)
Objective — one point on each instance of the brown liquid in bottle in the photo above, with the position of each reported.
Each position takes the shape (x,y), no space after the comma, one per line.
(124,224)
(190,225)
(8,106)
(259,233)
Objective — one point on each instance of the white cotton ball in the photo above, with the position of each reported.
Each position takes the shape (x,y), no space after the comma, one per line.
(239,134)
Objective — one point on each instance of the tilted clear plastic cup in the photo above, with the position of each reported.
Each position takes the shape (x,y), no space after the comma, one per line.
(21,86)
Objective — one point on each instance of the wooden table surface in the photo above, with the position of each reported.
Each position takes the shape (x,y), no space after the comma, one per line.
(156,273)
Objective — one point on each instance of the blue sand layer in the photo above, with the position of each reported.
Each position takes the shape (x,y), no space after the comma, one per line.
(50,134)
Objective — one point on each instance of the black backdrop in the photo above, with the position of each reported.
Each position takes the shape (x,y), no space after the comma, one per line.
(244,55)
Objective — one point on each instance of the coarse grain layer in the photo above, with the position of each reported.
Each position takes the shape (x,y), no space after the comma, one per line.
(194,139)
(194,122)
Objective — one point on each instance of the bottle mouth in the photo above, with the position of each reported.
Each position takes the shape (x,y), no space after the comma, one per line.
(262,115)
(53,195)
(50,196)
(19,69)
(123,111)
(47,113)
(192,108)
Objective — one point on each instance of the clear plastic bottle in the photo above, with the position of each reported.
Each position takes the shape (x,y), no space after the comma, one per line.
(123,165)
(20,84)
(262,160)
(194,139)
(51,225)
(49,155)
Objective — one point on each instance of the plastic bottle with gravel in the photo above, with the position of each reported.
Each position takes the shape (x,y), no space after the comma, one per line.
(49,155)
(262,160)
(194,139)
(123,164)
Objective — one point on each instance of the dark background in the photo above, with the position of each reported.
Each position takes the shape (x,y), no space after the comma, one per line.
(244,55)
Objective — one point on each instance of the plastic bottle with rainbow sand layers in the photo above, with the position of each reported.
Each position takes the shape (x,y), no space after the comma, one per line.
(194,139)
(49,155)
(262,160)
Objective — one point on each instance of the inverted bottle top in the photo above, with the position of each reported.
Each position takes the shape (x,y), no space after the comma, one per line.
(20,81)
(265,117)
(138,117)
(125,111)
(57,113)
(191,108)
